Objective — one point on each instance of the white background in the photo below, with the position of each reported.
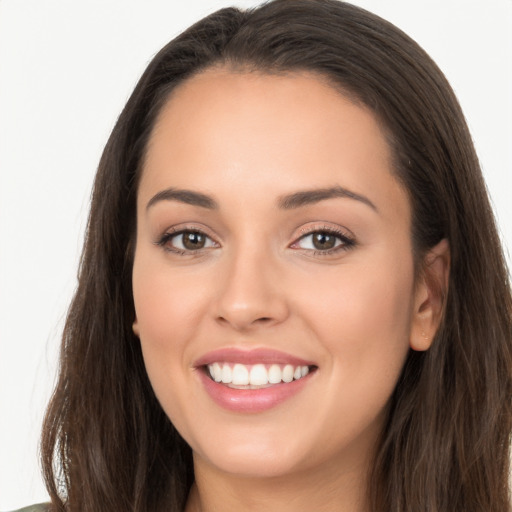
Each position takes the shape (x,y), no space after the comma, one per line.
(66,69)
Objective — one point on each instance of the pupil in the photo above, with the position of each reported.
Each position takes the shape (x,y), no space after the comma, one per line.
(193,241)
(323,241)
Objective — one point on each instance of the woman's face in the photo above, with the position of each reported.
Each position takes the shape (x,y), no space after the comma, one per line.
(274,253)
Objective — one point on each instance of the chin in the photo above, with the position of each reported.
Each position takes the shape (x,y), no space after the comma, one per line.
(254,461)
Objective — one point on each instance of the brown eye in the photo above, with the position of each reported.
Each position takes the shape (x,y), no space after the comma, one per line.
(186,241)
(323,241)
(193,240)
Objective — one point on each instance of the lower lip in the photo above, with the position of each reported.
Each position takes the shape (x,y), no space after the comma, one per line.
(251,400)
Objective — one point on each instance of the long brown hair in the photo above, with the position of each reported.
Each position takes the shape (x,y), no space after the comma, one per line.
(107,444)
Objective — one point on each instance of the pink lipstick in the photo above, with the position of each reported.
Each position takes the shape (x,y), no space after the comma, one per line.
(251,381)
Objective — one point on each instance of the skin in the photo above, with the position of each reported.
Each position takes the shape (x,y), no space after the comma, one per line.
(246,140)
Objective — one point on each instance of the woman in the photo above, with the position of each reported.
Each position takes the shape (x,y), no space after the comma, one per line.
(292,293)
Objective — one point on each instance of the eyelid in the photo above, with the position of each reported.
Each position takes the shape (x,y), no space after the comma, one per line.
(347,238)
(174,231)
(344,235)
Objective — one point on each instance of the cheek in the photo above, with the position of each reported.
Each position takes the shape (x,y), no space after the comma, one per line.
(167,309)
(364,324)
(167,305)
(368,301)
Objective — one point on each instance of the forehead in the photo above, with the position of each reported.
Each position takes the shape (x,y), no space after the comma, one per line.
(252,128)
(224,95)
(300,102)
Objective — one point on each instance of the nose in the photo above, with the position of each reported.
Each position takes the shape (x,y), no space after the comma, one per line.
(251,293)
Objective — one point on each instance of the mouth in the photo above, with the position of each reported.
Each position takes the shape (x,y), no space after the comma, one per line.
(253,381)
(255,376)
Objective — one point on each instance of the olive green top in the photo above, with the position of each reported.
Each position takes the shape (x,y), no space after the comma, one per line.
(41,507)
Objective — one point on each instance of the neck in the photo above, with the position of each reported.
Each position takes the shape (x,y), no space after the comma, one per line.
(322,490)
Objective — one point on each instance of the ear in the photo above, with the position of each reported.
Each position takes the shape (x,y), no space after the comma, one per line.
(135,328)
(429,296)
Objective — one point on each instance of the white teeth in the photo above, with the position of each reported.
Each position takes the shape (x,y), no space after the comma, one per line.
(275,374)
(258,375)
(255,375)
(216,372)
(240,375)
(227,374)
(288,373)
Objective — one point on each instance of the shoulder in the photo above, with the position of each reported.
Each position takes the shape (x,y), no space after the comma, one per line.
(41,507)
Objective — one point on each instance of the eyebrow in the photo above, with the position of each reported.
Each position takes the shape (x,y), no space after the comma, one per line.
(183,196)
(307,197)
(287,202)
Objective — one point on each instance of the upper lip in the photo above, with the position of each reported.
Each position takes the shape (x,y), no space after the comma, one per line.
(252,356)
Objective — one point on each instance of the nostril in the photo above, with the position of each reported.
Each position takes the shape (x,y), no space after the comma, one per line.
(245,323)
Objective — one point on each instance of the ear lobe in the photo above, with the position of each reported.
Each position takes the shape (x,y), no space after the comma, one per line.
(430,293)
(135,328)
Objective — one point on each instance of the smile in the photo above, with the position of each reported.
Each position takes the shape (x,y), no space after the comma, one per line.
(253,381)
(241,376)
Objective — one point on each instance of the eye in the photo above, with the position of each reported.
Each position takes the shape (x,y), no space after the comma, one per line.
(324,241)
(186,241)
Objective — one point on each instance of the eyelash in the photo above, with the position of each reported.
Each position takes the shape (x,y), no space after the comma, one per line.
(165,239)
(346,242)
